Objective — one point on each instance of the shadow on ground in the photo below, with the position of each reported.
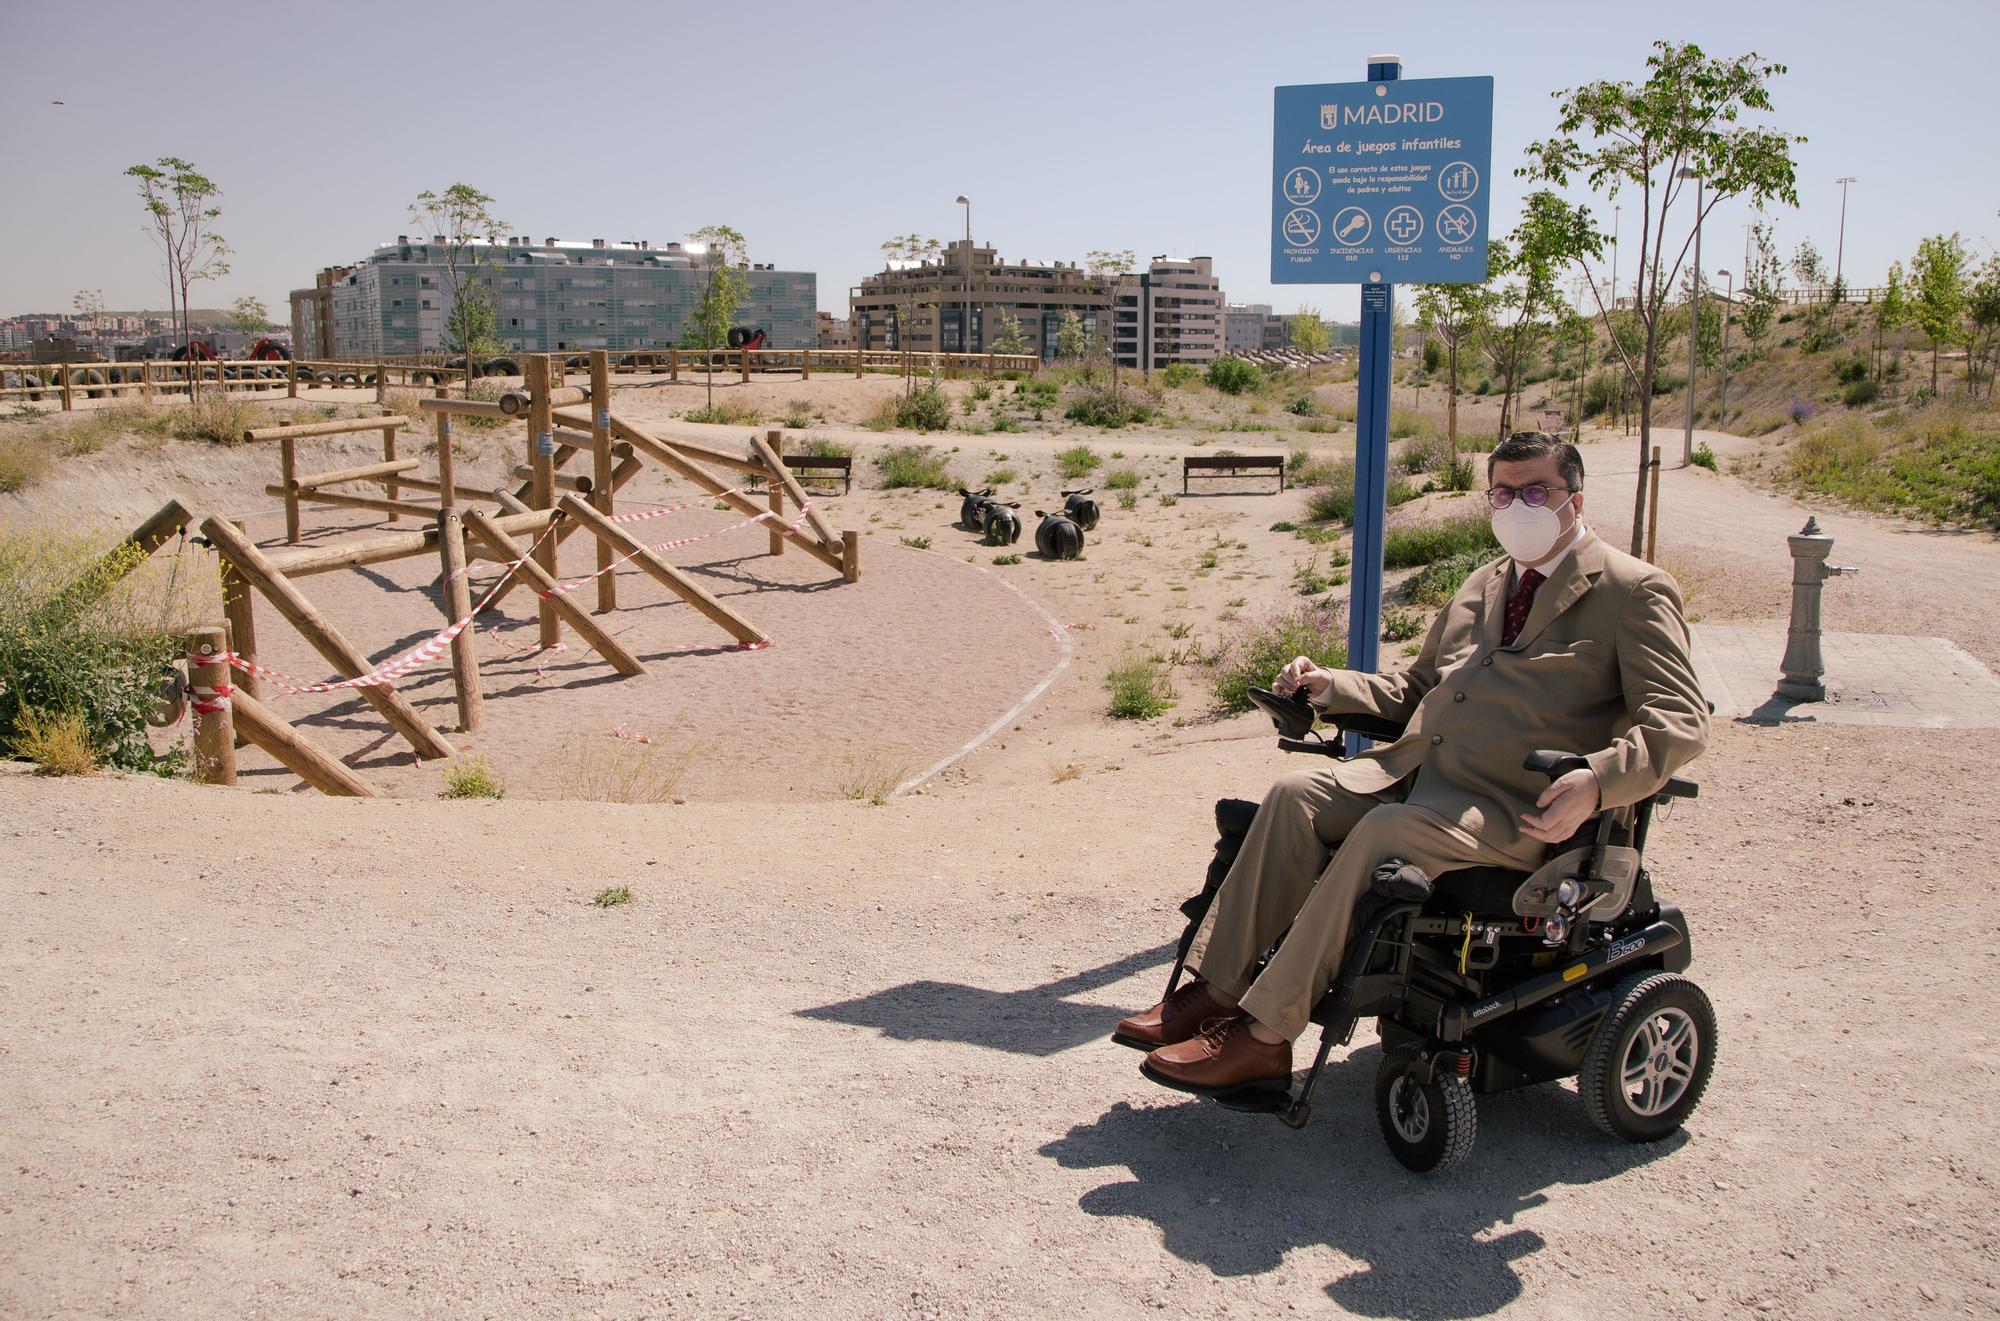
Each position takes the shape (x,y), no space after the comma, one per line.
(1235,1193)
(1035,1021)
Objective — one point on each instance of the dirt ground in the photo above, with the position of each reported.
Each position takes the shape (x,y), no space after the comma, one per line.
(281,1055)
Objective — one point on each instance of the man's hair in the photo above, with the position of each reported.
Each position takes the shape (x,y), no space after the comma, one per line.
(1524,445)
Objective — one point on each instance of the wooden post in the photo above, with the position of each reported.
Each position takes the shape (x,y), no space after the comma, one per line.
(448,495)
(388,456)
(288,477)
(62,375)
(381,385)
(457,605)
(669,577)
(324,637)
(850,556)
(239,609)
(214,736)
(541,494)
(673,364)
(260,725)
(777,489)
(1653,525)
(600,470)
(858,352)
(798,493)
(561,603)
(743,362)
(292,379)
(146,381)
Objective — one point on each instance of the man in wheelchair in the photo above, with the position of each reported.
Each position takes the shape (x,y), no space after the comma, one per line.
(1563,643)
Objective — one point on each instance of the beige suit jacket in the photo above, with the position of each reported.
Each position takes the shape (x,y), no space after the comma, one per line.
(1601,669)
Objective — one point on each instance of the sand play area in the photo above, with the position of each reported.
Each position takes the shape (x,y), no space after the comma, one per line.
(268,1053)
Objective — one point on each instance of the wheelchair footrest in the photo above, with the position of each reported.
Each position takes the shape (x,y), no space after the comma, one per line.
(1265,1100)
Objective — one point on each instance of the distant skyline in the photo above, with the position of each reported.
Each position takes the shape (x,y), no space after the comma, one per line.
(821,131)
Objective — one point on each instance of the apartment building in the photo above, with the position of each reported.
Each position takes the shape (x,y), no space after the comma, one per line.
(1170,312)
(937,294)
(835,332)
(1243,326)
(549,297)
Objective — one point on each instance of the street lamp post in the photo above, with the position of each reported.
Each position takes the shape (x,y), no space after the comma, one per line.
(965,321)
(1840,244)
(1694,317)
(1729,305)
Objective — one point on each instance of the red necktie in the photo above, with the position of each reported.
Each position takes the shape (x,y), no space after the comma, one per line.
(1518,605)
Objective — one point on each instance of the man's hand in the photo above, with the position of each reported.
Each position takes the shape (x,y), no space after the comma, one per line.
(1567,803)
(1302,673)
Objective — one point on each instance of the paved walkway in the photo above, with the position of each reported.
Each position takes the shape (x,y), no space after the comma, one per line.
(1871,679)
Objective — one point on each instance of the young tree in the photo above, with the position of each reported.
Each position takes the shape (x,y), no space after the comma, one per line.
(1763,287)
(1070,342)
(1892,309)
(721,254)
(1809,268)
(1106,269)
(1983,309)
(181,210)
(249,315)
(89,305)
(1937,293)
(1007,333)
(1621,135)
(1457,314)
(458,218)
(1525,274)
(908,252)
(1309,332)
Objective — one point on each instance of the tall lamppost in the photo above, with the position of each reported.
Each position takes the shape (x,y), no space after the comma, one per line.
(1839,244)
(965,322)
(1722,405)
(1694,317)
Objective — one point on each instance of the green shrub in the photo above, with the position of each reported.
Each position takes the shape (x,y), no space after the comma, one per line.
(1703,457)
(982,391)
(926,408)
(1233,375)
(1178,374)
(88,633)
(1400,492)
(1107,408)
(1424,543)
(1121,479)
(1315,629)
(1140,689)
(1075,462)
(1439,581)
(1000,477)
(916,543)
(1861,392)
(1942,465)
(729,412)
(472,778)
(1302,406)
(1167,499)
(913,466)
(1334,501)
(1847,371)
(1400,625)
(611,896)
(1009,558)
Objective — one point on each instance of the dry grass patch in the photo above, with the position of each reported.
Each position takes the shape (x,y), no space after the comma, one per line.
(57,742)
(870,775)
(24,461)
(608,769)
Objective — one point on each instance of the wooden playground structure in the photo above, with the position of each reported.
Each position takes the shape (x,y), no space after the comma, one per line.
(228,686)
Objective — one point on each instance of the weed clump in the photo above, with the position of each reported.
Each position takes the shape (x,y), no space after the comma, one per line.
(1316,629)
(917,467)
(1423,543)
(472,778)
(1140,689)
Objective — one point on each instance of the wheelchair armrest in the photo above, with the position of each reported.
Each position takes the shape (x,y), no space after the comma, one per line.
(1676,787)
(1553,764)
(1375,727)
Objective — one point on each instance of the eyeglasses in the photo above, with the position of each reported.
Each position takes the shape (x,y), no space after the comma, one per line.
(1534,494)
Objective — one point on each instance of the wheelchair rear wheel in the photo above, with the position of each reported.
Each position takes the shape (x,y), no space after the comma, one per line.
(1646,1068)
(1428,1125)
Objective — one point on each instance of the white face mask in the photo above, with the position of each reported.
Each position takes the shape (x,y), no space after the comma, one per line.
(1525,532)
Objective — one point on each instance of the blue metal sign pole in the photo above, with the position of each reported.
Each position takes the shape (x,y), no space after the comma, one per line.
(1371,461)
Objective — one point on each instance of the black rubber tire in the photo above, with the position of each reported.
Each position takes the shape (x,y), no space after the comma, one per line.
(1638,1000)
(1446,1124)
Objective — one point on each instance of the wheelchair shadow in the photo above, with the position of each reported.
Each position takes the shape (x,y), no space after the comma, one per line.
(1037,1021)
(1236,1193)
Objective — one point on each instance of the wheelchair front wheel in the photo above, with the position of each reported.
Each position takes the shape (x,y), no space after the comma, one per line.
(1428,1125)
(1648,1064)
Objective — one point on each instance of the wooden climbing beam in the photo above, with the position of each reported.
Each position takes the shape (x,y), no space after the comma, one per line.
(637,552)
(560,603)
(260,725)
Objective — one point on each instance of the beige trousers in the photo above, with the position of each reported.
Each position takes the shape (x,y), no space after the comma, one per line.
(1282,878)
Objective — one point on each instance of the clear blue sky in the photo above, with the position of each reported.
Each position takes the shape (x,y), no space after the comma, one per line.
(819,130)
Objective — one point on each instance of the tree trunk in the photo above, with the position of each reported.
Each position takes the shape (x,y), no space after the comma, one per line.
(1451,411)
(1645,445)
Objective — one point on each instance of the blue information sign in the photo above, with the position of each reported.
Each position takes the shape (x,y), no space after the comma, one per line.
(1381,182)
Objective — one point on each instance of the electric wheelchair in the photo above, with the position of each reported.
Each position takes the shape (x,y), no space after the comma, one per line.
(1487,979)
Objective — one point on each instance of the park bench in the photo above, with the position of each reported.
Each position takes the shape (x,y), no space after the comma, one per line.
(812,463)
(1231,465)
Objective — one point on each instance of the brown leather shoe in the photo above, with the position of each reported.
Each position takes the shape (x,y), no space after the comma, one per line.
(1224,1058)
(1173,1019)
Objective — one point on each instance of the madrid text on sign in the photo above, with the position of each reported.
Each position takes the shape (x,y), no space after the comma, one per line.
(1381,182)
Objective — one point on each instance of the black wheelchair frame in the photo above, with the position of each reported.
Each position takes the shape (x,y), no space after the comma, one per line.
(1472,997)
